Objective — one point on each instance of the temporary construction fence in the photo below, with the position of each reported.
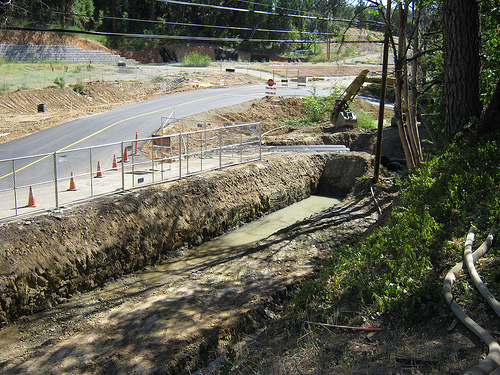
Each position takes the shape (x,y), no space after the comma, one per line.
(285,76)
(52,181)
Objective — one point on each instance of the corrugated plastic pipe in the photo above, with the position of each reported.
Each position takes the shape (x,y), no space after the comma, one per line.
(492,360)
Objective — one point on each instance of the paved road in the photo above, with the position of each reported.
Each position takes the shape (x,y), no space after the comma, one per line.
(39,166)
(122,124)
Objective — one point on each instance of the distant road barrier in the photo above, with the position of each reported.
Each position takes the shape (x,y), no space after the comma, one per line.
(37,183)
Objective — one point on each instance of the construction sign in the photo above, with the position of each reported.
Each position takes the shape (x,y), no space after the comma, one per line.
(271,87)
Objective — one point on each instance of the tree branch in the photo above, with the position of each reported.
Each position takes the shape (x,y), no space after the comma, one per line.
(417,55)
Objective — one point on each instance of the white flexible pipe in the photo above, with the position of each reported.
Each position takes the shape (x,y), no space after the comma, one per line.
(492,360)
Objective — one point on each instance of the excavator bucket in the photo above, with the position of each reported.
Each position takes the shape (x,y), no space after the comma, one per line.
(344,118)
(342,115)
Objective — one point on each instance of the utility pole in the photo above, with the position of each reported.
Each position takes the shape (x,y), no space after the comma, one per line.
(380,130)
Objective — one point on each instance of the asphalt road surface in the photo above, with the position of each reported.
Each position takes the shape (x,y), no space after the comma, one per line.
(116,126)
(122,124)
(42,158)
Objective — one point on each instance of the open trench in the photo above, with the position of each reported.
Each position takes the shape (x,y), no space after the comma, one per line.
(66,307)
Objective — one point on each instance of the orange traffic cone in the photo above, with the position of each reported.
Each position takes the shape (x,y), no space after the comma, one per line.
(115,164)
(125,156)
(31,199)
(72,185)
(99,173)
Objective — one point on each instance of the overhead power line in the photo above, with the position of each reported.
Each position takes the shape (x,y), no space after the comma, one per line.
(241,28)
(276,7)
(183,37)
(255,11)
(170,37)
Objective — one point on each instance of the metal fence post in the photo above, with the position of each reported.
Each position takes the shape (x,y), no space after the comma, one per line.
(56,186)
(180,156)
(123,168)
(201,149)
(153,156)
(260,141)
(220,148)
(14,182)
(187,153)
(241,146)
(91,181)
(133,169)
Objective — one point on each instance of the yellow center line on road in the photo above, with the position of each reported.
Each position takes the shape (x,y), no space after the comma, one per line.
(106,128)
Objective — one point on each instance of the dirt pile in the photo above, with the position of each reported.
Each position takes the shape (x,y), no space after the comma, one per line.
(19,110)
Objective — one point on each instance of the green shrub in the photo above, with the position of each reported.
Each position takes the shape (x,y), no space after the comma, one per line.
(196,59)
(158,79)
(318,108)
(60,82)
(79,87)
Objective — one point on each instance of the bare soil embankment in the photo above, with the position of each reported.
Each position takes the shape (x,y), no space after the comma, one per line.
(49,258)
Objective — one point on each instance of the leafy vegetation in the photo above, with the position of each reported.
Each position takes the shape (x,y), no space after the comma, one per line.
(196,59)
(491,48)
(399,266)
(163,18)
(158,79)
(60,82)
(318,108)
(79,87)
(365,120)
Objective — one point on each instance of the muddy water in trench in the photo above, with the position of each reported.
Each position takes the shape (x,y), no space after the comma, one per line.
(249,233)
(92,308)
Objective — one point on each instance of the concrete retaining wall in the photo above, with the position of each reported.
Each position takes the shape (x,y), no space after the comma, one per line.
(47,259)
(58,53)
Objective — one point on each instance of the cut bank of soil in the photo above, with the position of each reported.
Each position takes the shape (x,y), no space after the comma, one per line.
(209,295)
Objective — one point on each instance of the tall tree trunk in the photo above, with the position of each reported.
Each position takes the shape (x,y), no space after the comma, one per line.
(113,14)
(152,13)
(385,61)
(413,95)
(400,70)
(461,43)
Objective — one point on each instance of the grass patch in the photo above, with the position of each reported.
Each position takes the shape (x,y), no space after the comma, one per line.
(158,79)
(365,120)
(196,59)
(40,75)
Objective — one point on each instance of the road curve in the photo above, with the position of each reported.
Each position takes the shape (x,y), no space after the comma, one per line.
(122,124)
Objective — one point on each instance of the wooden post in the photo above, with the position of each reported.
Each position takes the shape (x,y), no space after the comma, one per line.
(385,61)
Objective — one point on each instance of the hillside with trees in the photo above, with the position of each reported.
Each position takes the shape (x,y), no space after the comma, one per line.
(427,40)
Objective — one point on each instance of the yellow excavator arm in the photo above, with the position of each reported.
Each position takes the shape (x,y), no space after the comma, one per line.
(342,115)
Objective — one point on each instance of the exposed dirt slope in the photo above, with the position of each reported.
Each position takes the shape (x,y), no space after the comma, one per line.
(48,259)
(49,38)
